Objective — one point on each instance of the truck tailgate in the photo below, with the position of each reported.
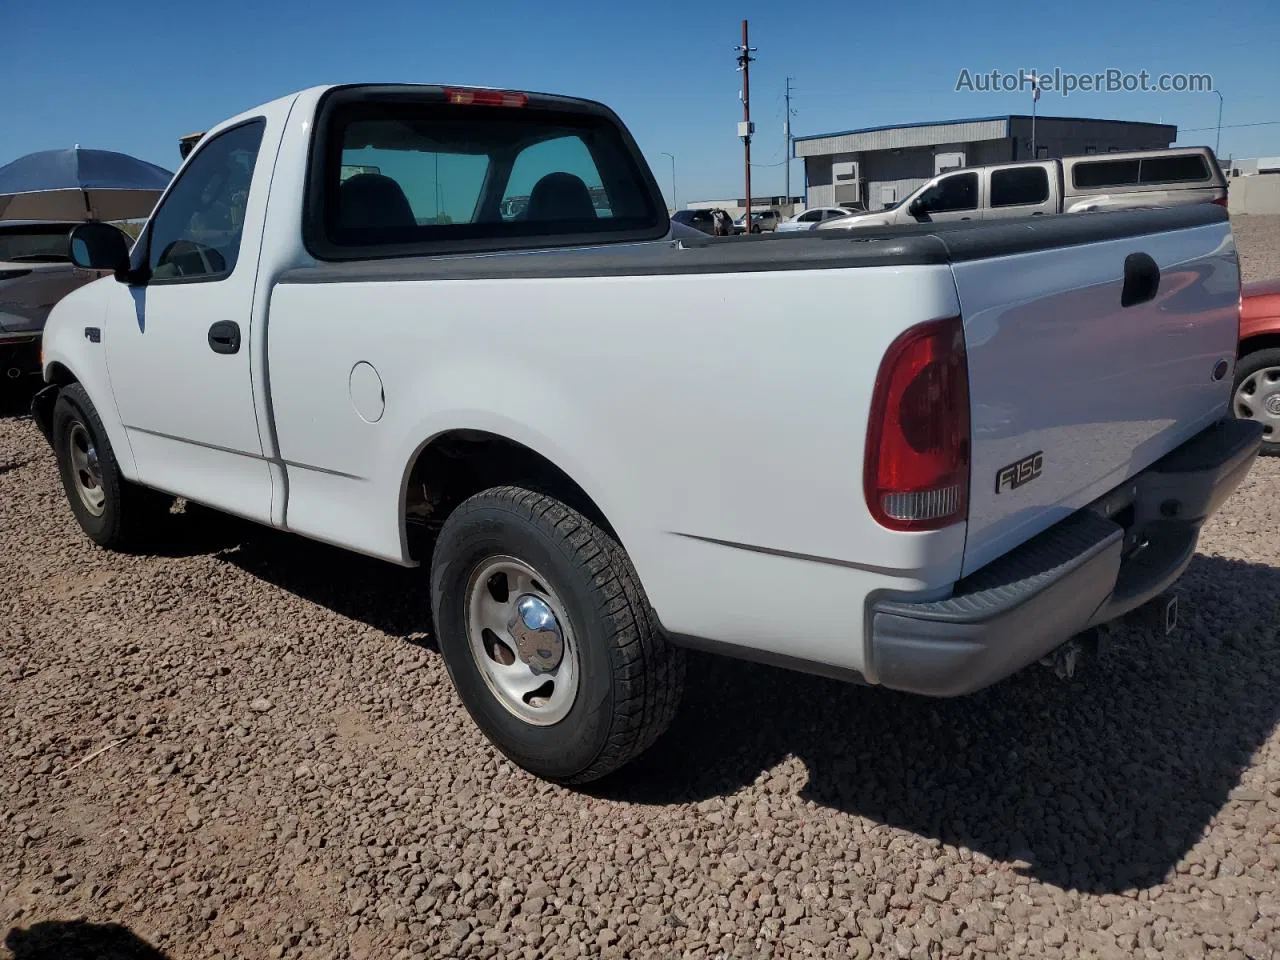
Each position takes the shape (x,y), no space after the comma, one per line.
(1072,392)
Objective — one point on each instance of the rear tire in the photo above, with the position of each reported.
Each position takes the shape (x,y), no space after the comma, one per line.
(113,512)
(606,683)
(1255,395)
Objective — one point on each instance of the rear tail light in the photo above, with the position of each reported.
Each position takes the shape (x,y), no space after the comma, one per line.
(1220,201)
(916,474)
(464,96)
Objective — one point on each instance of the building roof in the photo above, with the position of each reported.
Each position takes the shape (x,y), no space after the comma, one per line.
(899,135)
(1002,116)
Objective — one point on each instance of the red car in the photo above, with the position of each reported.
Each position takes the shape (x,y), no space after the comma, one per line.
(1257,387)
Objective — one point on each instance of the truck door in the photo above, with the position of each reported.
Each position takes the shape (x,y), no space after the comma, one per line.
(956,196)
(1020,191)
(178,344)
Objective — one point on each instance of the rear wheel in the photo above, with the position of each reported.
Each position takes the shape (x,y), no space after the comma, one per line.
(1256,395)
(112,511)
(548,637)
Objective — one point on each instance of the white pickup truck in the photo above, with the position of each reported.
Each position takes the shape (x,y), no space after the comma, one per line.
(451,328)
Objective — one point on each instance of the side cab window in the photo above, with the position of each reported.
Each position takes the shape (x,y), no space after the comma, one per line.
(195,234)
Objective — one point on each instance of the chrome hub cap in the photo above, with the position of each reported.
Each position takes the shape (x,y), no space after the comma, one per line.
(86,470)
(1258,398)
(521,640)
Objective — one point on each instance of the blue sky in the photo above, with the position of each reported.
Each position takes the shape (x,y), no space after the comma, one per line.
(134,80)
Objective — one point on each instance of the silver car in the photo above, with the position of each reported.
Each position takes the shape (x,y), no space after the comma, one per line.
(35,273)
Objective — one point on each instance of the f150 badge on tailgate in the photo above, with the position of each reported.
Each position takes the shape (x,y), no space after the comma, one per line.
(1023,471)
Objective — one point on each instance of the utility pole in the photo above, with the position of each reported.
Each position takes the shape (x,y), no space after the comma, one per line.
(786,130)
(1035,96)
(1218,141)
(745,128)
(674,205)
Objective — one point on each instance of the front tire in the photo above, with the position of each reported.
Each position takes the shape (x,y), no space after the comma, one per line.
(1255,395)
(113,512)
(548,637)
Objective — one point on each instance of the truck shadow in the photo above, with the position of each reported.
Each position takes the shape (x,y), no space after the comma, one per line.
(78,940)
(389,598)
(15,397)
(1101,784)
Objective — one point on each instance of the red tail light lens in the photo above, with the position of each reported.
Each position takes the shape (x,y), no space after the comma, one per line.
(916,473)
(462,96)
(1220,201)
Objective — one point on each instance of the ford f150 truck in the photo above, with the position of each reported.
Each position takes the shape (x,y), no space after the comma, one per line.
(452,328)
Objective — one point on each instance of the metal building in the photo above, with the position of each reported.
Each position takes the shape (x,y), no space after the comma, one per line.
(876,166)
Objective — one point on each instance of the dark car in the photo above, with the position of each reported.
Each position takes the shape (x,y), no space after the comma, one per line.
(35,273)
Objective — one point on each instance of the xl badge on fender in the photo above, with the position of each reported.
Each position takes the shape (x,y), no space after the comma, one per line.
(1023,471)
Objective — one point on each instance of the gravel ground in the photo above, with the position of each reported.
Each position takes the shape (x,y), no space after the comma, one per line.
(1259,241)
(249,748)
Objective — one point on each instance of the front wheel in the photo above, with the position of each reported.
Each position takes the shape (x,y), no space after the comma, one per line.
(112,511)
(1256,395)
(548,637)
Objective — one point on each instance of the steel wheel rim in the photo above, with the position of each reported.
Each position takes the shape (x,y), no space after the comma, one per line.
(1258,398)
(503,595)
(86,469)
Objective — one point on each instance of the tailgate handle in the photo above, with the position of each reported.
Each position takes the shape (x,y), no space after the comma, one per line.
(1141,279)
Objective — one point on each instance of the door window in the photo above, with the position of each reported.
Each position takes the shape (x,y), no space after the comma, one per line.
(1019,186)
(959,192)
(196,232)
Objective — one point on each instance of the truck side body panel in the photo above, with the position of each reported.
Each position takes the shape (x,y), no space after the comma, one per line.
(693,409)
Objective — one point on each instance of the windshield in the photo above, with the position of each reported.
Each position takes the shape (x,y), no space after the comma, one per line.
(37,243)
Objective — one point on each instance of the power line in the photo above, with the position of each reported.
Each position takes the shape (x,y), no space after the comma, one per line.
(1230,126)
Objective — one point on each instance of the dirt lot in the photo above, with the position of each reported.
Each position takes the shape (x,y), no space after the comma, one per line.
(248,748)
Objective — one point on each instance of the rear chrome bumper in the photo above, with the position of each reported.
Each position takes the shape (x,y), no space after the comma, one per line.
(1081,572)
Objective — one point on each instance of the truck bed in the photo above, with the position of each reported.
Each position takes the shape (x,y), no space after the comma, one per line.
(926,243)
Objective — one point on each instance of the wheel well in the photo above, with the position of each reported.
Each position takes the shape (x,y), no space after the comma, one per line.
(1261,341)
(60,375)
(461,463)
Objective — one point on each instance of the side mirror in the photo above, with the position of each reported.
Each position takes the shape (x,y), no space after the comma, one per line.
(99,246)
(917,208)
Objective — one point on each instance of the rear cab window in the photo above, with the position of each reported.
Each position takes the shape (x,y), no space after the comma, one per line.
(415,171)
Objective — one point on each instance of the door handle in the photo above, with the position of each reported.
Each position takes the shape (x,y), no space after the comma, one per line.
(224,337)
(1141,279)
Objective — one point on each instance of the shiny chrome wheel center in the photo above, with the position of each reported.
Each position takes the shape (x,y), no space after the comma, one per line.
(521,640)
(536,632)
